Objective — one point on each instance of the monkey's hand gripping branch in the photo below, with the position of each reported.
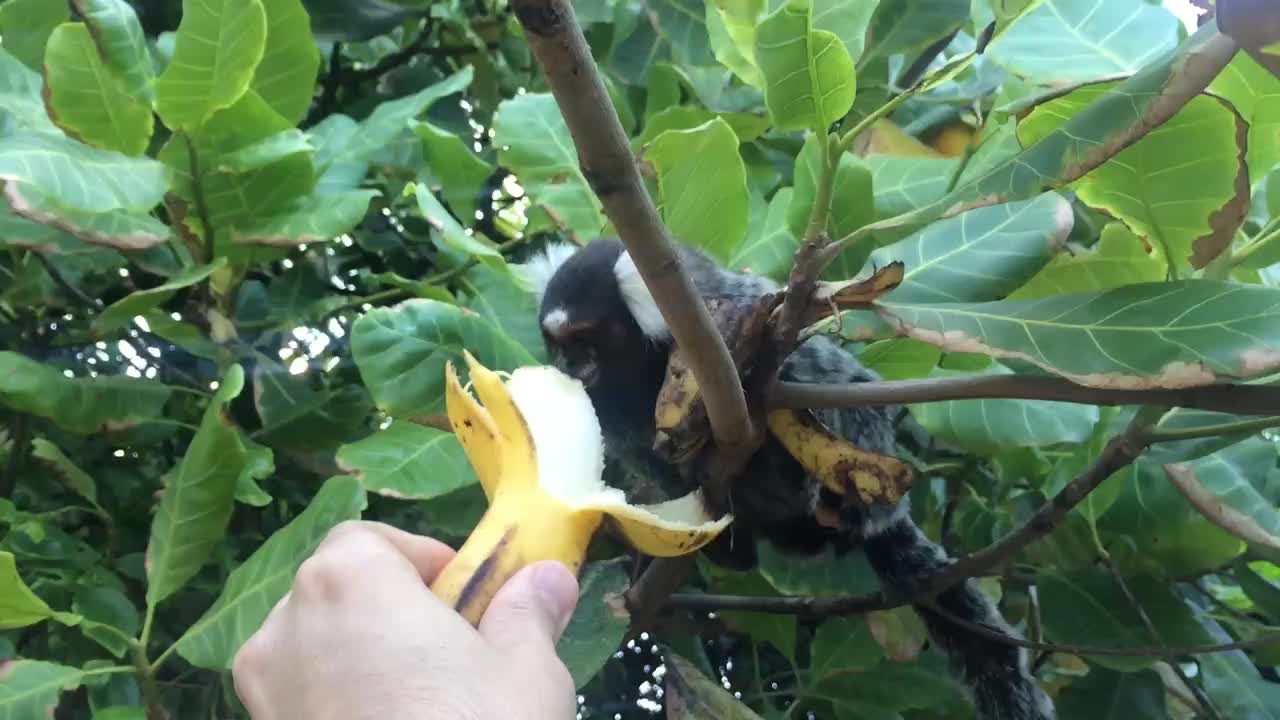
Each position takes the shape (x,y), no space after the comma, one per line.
(536,446)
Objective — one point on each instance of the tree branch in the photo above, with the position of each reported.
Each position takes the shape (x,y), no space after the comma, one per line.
(605,159)
(1122,450)
(1238,399)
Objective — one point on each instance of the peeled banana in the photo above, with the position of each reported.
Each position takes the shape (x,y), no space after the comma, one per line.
(535,444)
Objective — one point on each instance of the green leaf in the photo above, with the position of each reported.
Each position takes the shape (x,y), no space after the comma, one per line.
(401,352)
(825,573)
(907,26)
(88,100)
(1242,477)
(983,254)
(846,20)
(394,118)
(218,45)
(683,24)
(904,183)
(1264,593)
(267,151)
(259,464)
(852,204)
(764,628)
(356,20)
(986,426)
(109,618)
(198,497)
(702,186)
(122,44)
(1182,189)
(1255,93)
(1174,334)
(78,405)
(1101,38)
(120,312)
(315,218)
(296,415)
(76,176)
(21,89)
(1233,682)
(450,232)
(1119,259)
(842,645)
(808,73)
(770,253)
(19,607)
(456,171)
(536,146)
(47,228)
(1088,607)
(25,26)
(255,587)
(408,461)
(33,688)
(900,358)
(78,480)
(286,77)
(731,27)
(597,627)
(500,300)
(690,695)
(1108,695)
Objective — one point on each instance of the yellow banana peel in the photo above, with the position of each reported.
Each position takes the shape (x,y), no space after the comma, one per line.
(840,466)
(535,443)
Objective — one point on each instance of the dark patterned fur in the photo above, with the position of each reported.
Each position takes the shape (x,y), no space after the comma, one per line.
(623,366)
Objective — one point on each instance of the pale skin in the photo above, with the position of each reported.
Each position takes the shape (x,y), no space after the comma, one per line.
(360,637)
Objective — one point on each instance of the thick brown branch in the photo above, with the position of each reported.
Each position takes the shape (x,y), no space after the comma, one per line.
(1233,398)
(1122,450)
(608,165)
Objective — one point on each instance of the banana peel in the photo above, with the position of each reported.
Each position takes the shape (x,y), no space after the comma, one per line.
(837,464)
(535,444)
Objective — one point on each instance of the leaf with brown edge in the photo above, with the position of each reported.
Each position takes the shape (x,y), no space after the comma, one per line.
(691,695)
(829,296)
(1216,510)
(1177,334)
(115,228)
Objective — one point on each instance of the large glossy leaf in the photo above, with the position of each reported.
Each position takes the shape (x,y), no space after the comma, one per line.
(122,44)
(254,588)
(731,26)
(120,312)
(683,24)
(842,645)
(1088,607)
(294,414)
(847,20)
(985,426)
(1182,188)
(262,153)
(691,695)
(770,251)
(497,297)
(1090,39)
(537,147)
(981,255)
(904,183)
(1243,478)
(702,186)
(764,628)
(596,628)
(26,25)
(1119,259)
(408,461)
(76,176)
(19,607)
(1255,93)
(315,218)
(1233,682)
(1109,695)
(396,117)
(88,99)
(355,20)
(79,481)
(450,234)
(46,228)
(852,205)
(109,618)
(286,77)
(218,45)
(1175,334)
(32,688)
(1070,151)
(900,358)
(457,172)
(825,573)
(906,26)
(198,497)
(79,405)
(21,91)
(401,352)
(809,79)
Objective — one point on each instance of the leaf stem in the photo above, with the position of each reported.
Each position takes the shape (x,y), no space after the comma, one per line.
(876,115)
(1269,232)
(197,192)
(1206,431)
(147,679)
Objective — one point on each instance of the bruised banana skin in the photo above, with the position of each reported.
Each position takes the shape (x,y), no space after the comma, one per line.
(836,463)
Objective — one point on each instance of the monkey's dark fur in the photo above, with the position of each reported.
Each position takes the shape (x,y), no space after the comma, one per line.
(601,326)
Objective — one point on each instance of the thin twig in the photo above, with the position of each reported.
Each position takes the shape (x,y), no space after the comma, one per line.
(61,281)
(202,204)
(1239,399)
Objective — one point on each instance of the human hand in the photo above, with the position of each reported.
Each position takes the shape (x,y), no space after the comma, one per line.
(361,637)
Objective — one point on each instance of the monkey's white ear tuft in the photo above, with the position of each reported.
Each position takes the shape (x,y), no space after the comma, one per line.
(541,267)
(639,300)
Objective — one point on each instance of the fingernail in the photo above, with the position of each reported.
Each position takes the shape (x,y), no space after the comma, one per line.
(558,589)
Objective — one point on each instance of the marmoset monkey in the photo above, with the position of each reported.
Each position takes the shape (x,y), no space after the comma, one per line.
(602,326)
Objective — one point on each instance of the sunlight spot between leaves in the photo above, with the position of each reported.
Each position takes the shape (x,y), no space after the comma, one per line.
(142,323)
(298,366)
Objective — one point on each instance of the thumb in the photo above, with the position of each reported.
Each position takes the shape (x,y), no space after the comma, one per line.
(532,608)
